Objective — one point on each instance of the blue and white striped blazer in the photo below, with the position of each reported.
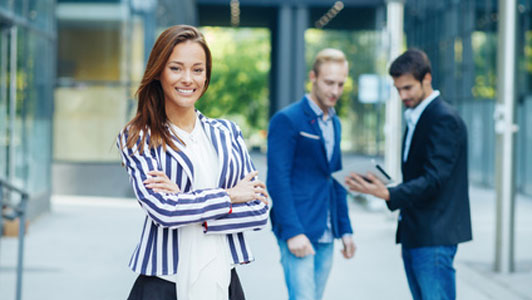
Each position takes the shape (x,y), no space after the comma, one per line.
(157,252)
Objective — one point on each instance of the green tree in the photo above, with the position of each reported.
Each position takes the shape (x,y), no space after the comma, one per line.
(239,84)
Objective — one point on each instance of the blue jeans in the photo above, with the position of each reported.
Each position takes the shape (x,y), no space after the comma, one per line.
(430,272)
(306,276)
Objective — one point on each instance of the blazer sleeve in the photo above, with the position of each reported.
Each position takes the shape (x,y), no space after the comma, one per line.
(342,210)
(246,216)
(170,210)
(344,223)
(282,139)
(444,144)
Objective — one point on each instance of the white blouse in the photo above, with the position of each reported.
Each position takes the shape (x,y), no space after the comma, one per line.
(204,259)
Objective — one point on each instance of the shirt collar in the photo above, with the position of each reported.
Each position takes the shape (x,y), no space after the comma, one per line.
(412,115)
(317,110)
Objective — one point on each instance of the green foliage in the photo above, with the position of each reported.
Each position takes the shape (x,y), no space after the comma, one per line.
(484,56)
(239,83)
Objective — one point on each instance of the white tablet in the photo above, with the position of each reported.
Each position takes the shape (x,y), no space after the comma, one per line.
(363,168)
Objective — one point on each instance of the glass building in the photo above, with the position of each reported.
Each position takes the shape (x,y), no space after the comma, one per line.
(102,47)
(460,37)
(27,71)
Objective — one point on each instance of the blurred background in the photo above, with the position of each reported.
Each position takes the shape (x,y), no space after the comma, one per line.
(69,70)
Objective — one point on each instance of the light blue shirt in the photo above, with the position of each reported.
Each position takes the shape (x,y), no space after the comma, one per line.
(326,126)
(412,116)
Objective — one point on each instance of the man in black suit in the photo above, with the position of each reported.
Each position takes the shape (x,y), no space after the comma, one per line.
(433,199)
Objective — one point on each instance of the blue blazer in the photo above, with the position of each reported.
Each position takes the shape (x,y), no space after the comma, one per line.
(157,252)
(299,176)
(434,195)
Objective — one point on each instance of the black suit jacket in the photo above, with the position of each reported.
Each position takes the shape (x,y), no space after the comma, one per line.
(434,196)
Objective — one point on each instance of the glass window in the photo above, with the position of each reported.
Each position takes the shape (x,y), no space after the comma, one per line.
(41,13)
(4,122)
(91,97)
(89,51)
(32,140)
(87,120)
(7,4)
(484,56)
(524,96)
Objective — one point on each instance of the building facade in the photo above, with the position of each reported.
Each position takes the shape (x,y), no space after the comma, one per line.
(102,47)
(27,71)
(460,37)
(69,69)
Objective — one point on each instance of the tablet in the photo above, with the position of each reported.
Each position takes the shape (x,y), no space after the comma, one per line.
(362,167)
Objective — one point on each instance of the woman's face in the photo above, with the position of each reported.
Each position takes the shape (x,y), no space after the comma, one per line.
(183,77)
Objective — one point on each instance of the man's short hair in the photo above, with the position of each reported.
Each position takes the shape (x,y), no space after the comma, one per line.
(328,55)
(414,62)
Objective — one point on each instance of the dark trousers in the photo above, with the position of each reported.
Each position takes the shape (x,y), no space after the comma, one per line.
(155,288)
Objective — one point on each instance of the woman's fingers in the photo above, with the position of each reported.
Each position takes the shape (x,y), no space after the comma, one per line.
(161,182)
(157,176)
(158,186)
(262,198)
(260,190)
(155,180)
(258,183)
(250,176)
(157,173)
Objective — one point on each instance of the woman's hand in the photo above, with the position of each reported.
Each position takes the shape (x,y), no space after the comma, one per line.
(247,190)
(160,183)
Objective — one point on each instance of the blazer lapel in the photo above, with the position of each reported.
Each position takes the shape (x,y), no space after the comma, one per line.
(403,162)
(180,156)
(312,119)
(337,141)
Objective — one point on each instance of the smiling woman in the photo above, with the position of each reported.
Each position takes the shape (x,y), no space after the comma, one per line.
(193,177)
(183,81)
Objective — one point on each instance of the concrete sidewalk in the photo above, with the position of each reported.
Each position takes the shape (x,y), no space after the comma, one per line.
(80,250)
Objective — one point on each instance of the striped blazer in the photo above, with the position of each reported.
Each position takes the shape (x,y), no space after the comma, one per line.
(157,252)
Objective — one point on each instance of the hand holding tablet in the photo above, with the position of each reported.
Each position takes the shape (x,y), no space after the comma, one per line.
(362,168)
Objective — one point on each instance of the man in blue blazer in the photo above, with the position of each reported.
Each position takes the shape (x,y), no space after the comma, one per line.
(309,207)
(433,199)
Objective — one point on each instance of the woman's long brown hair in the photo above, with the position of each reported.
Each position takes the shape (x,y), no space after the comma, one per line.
(151,113)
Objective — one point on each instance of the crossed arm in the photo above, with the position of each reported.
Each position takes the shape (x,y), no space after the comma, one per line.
(239,208)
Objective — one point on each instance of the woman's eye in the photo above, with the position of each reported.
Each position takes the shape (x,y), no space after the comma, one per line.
(198,70)
(175,68)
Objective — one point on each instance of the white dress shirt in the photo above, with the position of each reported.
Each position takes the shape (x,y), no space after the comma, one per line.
(205,258)
(412,116)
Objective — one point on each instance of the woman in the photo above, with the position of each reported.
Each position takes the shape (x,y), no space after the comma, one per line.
(192,176)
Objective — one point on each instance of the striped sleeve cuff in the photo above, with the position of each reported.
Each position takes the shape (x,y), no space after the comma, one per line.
(243,217)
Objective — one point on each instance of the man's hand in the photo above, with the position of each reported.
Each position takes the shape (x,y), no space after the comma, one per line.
(300,246)
(372,185)
(349,246)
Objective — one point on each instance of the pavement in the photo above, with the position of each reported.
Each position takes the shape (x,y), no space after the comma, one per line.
(81,248)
